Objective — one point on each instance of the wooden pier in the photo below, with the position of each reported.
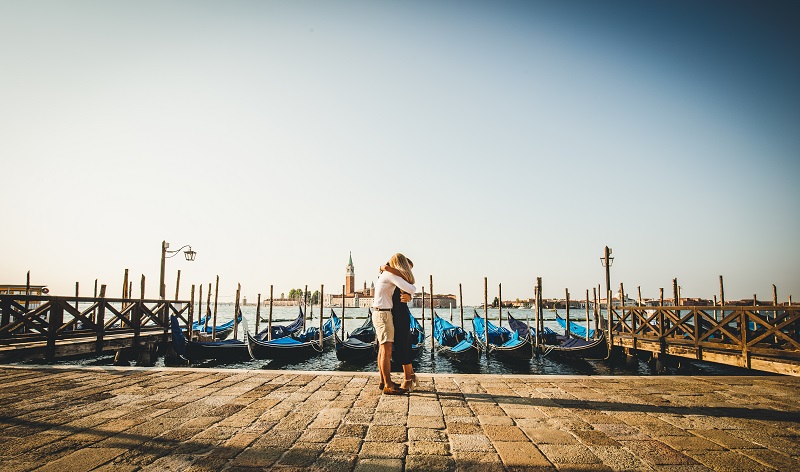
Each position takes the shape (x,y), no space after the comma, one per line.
(764,338)
(49,327)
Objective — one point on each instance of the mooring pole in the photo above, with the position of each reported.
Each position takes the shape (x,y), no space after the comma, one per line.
(199,308)
(587,314)
(322,315)
(305,306)
(236,312)
(343,331)
(423,308)
(191,315)
(486,312)
(499,305)
(775,311)
(596,309)
(528,324)
(258,312)
(216,299)
(269,320)
(568,333)
(461,305)
(208,310)
(538,314)
(675,294)
(433,313)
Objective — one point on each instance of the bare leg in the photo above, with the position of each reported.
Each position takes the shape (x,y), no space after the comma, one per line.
(384,363)
(408,374)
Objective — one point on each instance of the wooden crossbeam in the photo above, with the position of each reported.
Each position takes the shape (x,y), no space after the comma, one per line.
(31,319)
(88,323)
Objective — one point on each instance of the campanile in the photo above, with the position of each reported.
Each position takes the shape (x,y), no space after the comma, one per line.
(350,277)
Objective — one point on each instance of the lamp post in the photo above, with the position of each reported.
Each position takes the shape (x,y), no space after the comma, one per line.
(166,254)
(606,261)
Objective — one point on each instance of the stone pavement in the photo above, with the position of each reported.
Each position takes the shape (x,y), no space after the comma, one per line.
(123,419)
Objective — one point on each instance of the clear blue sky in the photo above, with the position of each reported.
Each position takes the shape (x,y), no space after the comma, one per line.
(499,139)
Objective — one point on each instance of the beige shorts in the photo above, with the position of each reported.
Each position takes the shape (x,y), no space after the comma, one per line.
(384,326)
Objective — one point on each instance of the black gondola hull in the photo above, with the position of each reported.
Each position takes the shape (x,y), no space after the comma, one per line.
(581,349)
(470,355)
(355,350)
(521,352)
(228,352)
(286,352)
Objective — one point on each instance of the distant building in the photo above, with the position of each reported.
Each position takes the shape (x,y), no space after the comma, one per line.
(352,298)
(439,301)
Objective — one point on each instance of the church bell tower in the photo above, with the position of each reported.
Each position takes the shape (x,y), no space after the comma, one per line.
(350,277)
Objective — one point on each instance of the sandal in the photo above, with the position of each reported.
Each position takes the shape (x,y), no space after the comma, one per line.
(411,383)
(394,390)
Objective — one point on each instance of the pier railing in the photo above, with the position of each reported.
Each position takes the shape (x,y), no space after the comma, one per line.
(758,337)
(31,319)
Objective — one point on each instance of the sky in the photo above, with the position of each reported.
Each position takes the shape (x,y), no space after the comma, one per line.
(499,139)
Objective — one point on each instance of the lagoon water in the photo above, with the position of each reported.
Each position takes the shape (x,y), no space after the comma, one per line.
(427,362)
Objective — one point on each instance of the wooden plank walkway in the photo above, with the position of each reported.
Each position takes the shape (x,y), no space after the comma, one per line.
(125,419)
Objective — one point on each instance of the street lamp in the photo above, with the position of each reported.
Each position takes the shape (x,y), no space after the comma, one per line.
(166,254)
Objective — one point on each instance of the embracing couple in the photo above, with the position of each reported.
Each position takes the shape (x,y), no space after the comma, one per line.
(392,320)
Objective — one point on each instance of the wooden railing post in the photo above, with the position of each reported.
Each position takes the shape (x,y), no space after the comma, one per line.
(164,320)
(54,323)
(697,320)
(5,308)
(136,321)
(101,319)
(743,333)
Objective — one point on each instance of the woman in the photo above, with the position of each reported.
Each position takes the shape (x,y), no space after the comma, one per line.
(382,317)
(401,317)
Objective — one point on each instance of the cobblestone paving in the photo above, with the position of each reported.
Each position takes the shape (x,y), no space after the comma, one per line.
(130,419)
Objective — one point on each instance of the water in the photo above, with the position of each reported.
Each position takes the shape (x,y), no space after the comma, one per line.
(426,362)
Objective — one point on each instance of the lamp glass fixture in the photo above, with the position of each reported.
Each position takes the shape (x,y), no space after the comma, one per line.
(189,254)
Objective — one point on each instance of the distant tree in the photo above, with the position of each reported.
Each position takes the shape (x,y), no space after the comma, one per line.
(315,297)
(494,303)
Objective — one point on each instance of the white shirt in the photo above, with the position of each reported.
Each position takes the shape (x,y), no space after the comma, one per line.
(384,288)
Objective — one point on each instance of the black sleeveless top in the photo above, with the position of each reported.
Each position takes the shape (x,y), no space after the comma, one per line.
(401,318)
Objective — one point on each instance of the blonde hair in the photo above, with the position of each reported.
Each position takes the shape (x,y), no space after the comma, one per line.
(403,265)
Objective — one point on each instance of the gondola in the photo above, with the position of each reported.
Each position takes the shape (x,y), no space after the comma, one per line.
(221,333)
(503,343)
(360,345)
(574,328)
(229,350)
(417,336)
(454,342)
(574,345)
(297,345)
(524,329)
(279,331)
